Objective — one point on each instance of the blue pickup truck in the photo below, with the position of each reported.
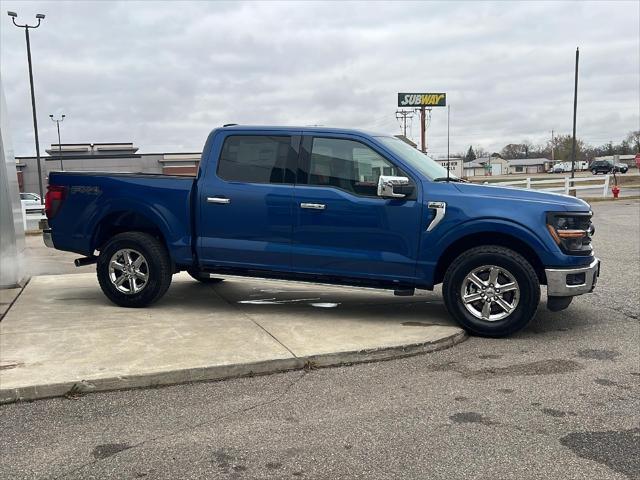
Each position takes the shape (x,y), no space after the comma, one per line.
(329,206)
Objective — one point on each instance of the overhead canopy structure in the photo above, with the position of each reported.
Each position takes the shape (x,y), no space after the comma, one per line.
(11,226)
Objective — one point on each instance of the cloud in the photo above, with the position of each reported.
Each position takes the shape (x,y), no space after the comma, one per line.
(164,74)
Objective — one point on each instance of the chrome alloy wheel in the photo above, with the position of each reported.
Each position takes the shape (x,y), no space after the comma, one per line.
(128,271)
(490,293)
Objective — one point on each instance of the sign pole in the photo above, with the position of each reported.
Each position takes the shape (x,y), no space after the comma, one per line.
(423,129)
(448,155)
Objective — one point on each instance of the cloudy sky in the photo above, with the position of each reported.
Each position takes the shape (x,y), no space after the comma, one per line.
(163,74)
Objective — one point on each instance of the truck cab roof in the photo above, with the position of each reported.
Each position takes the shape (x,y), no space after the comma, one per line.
(306,129)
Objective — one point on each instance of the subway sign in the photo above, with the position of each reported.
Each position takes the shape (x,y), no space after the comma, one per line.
(422,99)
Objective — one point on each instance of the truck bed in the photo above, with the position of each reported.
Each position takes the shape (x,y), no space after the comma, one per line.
(127,200)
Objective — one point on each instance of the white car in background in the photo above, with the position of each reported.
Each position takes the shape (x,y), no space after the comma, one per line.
(565,167)
(30,199)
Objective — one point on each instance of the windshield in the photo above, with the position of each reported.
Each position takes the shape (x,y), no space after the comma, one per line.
(414,157)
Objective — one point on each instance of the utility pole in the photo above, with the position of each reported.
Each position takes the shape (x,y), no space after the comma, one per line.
(404,114)
(553,148)
(423,130)
(61,119)
(424,123)
(26,27)
(575,108)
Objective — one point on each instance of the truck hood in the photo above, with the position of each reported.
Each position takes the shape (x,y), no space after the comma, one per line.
(553,200)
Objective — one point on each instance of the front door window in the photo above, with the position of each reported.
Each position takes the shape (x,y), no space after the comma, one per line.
(347,165)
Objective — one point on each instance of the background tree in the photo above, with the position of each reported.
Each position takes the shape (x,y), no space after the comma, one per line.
(630,145)
(471,155)
(610,149)
(481,152)
(633,139)
(513,150)
(562,148)
(518,150)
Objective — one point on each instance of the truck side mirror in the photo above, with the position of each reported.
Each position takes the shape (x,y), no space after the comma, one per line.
(386,186)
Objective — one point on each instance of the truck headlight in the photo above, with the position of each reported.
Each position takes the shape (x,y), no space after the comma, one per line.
(572,231)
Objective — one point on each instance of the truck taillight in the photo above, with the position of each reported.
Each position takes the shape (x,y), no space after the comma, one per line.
(53,200)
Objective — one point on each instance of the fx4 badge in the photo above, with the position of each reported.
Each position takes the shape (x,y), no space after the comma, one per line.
(86,189)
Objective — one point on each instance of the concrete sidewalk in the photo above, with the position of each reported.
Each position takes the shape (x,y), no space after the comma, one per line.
(62,335)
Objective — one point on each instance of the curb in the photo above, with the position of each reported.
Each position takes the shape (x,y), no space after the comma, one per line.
(224,372)
(609,199)
(21,286)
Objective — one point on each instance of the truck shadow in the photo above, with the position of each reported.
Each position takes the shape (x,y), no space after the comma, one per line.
(255,297)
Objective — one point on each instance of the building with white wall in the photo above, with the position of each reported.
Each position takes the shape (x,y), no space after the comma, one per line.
(528,165)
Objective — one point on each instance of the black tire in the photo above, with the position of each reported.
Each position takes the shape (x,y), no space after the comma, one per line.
(204,277)
(158,269)
(594,172)
(507,260)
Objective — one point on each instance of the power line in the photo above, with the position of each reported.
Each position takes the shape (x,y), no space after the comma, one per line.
(402,116)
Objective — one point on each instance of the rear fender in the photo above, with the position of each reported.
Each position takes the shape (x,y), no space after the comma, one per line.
(177,241)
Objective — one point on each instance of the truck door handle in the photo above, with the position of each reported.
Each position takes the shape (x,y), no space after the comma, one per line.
(313,206)
(220,200)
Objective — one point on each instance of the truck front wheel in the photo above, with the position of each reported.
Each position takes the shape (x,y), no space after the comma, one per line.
(134,269)
(491,291)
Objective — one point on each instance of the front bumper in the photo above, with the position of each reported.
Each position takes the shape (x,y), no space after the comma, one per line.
(568,282)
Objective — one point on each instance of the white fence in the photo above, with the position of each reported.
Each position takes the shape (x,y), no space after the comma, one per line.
(564,185)
(31,216)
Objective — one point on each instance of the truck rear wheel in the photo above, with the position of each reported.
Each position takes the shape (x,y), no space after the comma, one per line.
(491,291)
(134,269)
(203,277)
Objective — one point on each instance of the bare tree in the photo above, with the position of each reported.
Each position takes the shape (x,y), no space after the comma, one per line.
(634,141)
(481,152)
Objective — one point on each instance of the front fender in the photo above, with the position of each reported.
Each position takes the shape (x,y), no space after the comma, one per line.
(493,226)
(434,244)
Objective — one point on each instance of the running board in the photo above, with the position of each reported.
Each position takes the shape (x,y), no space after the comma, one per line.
(81,262)
(405,292)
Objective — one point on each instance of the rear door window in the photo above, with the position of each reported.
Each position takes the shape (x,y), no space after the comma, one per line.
(258,159)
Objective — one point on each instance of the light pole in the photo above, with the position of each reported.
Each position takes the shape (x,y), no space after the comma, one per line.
(26,27)
(58,120)
(575,107)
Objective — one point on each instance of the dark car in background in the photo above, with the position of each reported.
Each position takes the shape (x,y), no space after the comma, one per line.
(604,166)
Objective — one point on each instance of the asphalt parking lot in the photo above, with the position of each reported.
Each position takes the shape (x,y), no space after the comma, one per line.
(559,400)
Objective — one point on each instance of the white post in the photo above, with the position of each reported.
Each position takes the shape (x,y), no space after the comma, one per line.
(529,182)
(605,189)
(566,185)
(24,216)
(11,228)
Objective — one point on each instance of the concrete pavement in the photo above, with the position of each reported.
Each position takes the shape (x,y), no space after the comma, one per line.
(63,335)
